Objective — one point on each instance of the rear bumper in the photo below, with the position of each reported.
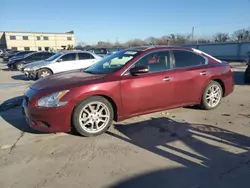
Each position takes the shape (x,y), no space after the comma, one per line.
(229,85)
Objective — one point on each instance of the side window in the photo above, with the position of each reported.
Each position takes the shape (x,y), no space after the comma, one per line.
(83,56)
(46,55)
(187,59)
(156,61)
(69,57)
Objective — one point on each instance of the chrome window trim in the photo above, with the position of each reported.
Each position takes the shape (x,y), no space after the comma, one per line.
(124,73)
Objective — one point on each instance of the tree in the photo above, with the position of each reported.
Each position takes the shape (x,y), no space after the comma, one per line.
(135,42)
(150,41)
(221,37)
(242,35)
(81,44)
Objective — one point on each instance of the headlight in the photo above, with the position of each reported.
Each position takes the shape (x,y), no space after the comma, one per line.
(26,69)
(52,100)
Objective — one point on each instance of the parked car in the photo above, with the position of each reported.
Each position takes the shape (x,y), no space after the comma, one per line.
(60,62)
(18,55)
(99,51)
(17,63)
(247,71)
(8,54)
(125,84)
(15,54)
(1,56)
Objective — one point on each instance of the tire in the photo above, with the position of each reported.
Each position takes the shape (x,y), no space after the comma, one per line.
(206,103)
(89,119)
(247,77)
(44,73)
(19,66)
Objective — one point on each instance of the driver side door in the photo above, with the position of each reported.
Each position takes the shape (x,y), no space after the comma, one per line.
(65,63)
(150,91)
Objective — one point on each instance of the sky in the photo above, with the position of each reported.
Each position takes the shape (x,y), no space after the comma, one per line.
(111,20)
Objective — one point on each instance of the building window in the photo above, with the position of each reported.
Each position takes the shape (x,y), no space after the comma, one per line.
(27,48)
(45,38)
(13,48)
(38,38)
(69,38)
(25,38)
(46,49)
(39,48)
(13,38)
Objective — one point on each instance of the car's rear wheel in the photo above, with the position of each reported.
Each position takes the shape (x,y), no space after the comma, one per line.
(247,76)
(93,116)
(212,96)
(44,73)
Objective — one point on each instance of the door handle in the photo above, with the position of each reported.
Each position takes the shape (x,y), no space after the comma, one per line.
(203,73)
(167,79)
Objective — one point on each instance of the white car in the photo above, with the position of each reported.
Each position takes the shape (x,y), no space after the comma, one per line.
(60,62)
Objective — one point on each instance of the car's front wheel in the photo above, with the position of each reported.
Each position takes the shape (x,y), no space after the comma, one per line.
(44,73)
(93,116)
(212,96)
(19,66)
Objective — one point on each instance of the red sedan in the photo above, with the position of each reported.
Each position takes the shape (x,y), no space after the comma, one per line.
(127,83)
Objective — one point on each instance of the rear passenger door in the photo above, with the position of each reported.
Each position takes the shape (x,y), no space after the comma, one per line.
(85,60)
(190,76)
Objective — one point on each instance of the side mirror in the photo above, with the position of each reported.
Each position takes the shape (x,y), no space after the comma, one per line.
(59,60)
(139,70)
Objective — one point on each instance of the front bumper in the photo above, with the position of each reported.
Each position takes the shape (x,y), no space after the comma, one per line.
(56,119)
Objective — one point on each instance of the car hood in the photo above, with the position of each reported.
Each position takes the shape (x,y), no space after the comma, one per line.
(37,64)
(17,57)
(65,80)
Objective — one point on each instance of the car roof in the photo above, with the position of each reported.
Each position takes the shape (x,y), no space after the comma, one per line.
(145,48)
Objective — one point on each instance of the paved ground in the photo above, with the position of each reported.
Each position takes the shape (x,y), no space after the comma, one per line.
(179,148)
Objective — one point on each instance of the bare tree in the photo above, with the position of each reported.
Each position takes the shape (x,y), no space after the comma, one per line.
(221,37)
(150,41)
(135,42)
(242,35)
(81,44)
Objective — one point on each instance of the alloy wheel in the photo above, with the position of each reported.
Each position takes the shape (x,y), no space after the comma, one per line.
(213,95)
(44,74)
(94,117)
(19,66)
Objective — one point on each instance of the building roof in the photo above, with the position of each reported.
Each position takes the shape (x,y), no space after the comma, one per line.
(70,32)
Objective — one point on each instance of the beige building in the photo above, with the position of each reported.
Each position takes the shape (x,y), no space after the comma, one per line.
(36,41)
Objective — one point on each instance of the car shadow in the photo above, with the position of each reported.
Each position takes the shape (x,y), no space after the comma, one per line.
(20,77)
(11,112)
(203,151)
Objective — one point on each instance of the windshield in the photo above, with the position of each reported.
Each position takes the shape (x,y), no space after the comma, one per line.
(113,62)
(53,57)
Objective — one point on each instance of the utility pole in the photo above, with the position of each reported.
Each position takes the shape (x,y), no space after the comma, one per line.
(192,37)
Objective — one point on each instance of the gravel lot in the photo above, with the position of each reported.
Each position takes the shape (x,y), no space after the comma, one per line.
(184,147)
